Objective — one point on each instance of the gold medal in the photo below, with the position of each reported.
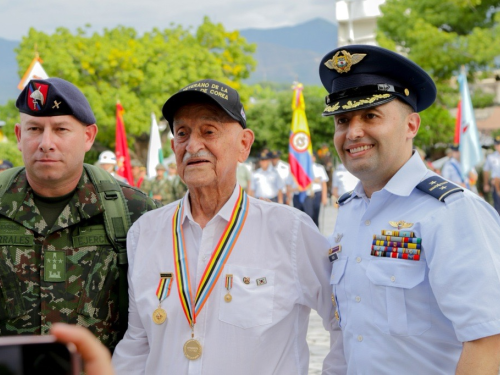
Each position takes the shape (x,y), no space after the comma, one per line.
(228,298)
(159,315)
(192,349)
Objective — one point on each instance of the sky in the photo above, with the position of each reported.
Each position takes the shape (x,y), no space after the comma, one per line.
(17,16)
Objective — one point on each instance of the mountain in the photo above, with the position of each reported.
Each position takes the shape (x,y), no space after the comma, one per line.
(283,55)
(288,54)
(8,71)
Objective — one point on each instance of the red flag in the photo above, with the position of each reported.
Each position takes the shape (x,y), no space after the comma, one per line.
(456,139)
(121,148)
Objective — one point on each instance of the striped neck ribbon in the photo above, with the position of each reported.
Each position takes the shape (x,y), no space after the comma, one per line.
(192,306)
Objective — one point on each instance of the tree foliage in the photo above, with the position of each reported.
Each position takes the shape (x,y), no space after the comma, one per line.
(142,71)
(441,36)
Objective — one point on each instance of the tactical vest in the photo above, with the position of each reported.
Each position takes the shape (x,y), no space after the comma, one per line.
(116,224)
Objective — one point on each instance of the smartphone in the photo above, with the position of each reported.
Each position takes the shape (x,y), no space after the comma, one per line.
(30,355)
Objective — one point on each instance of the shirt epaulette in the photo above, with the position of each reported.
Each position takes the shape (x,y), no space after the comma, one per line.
(438,187)
(344,197)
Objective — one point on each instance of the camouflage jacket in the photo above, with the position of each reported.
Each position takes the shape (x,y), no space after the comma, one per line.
(163,188)
(67,273)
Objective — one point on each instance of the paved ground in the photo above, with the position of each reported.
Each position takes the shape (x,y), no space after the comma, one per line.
(317,337)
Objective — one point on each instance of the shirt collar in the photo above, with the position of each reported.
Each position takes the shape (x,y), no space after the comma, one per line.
(225,212)
(404,181)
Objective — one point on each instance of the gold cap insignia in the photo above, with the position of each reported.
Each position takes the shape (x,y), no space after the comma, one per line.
(400,224)
(342,63)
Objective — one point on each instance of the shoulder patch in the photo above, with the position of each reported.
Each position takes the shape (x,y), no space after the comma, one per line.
(344,197)
(438,187)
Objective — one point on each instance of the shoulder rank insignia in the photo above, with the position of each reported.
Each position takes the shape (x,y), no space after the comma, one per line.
(344,197)
(438,187)
(342,63)
(401,224)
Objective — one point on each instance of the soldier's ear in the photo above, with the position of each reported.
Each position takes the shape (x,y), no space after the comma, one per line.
(90,134)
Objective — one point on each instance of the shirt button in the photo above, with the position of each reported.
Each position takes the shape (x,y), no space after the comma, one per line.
(393,278)
(358,299)
(360,338)
(358,259)
(367,222)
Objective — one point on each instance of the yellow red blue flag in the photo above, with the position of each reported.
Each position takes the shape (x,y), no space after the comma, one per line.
(300,147)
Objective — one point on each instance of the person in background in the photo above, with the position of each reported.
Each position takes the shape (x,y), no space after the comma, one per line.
(491,174)
(137,172)
(283,170)
(266,182)
(5,164)
(343,182)
(107,161)
(415,261)
(160,187)
(179,188)
(452,169)
(243,176)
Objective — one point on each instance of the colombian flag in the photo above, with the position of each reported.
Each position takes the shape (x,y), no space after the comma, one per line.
(300,148)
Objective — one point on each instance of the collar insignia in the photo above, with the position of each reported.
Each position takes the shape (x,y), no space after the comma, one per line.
(342,63)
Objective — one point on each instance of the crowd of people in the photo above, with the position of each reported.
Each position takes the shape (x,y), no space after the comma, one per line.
(219,282)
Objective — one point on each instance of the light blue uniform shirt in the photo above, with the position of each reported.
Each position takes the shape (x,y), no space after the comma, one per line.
(402,316)
(453,171)
(492,164)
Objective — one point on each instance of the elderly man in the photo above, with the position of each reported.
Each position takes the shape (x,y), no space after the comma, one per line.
(63,224)
(417,279)
(220,283)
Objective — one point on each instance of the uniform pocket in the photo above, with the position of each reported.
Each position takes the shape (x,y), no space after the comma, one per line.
(401,298)
(252,297)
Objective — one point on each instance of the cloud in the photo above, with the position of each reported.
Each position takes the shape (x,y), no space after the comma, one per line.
(17,17)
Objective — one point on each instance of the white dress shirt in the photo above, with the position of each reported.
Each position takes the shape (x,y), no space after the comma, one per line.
(263,329)
(401,316)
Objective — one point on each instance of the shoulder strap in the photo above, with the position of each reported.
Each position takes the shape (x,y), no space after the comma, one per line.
(116,215)
(438,187)
(7,177)
(117,223)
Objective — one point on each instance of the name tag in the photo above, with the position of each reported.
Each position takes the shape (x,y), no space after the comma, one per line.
(94,235)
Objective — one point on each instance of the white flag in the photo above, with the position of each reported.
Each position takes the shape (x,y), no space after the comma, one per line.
(35,71)
(155,152)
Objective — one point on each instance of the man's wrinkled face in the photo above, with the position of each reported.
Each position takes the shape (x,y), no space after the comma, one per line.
(208,145)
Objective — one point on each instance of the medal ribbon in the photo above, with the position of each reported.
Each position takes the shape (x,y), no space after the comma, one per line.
(229,282)
(164,286)
(214,267)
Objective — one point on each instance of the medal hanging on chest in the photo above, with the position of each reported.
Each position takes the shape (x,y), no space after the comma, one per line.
(191,303)
(162,292)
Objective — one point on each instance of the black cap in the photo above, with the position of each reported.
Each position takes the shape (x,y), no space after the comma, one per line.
(224,96)
(276,154)
(362,76)
(496,140)
(265,155)
(455,147)
(54,97)
(5,164)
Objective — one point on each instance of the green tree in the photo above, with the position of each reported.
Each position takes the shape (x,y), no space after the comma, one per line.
(441,36)
(141,71)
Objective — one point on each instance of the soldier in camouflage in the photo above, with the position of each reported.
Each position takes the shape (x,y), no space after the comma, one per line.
(57,263)
(161,188)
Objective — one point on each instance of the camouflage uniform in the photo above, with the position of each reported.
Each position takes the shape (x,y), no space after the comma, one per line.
(74,254)
(163,187)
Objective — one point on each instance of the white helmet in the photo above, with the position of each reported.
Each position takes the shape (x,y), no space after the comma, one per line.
(107,157)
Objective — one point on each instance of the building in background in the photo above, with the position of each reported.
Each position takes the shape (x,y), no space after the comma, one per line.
(357,21)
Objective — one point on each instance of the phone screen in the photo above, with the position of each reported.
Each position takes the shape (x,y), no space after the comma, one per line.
(35,358)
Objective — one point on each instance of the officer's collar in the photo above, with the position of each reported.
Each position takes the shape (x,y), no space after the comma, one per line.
(408,176)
